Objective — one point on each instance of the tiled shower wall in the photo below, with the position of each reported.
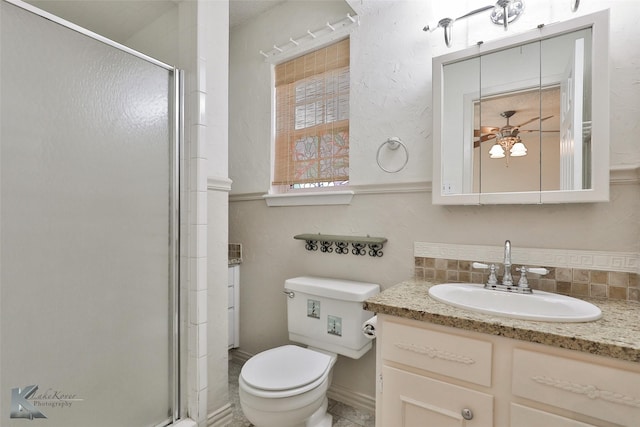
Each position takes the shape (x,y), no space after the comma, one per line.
(567,281)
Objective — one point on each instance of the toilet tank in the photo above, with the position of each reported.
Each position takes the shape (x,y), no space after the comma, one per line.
(327,314)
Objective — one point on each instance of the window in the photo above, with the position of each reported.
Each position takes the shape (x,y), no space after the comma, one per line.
(312,119)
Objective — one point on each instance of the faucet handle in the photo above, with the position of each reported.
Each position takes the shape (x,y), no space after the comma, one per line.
(538,270)
(523,282)
(492,271)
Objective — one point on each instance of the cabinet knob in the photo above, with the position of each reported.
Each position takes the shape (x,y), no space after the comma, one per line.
(467,414)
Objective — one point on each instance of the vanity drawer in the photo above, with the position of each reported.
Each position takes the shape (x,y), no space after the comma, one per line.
(523,416)
(456,356)
(602,392)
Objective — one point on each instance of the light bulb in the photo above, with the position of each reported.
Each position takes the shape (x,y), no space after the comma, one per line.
(518,150)
(496,152)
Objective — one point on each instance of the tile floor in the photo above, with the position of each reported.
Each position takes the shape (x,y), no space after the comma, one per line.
(343,415)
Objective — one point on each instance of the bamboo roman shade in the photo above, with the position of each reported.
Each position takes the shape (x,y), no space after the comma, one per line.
(312,118)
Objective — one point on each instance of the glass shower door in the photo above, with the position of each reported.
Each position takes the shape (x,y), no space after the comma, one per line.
(87,236)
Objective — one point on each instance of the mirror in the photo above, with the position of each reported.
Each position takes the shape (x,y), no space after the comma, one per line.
(521,120)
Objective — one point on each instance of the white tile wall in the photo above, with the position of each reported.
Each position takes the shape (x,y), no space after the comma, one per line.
(196,206)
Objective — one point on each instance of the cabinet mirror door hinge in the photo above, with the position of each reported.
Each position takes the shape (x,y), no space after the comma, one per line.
(380,383)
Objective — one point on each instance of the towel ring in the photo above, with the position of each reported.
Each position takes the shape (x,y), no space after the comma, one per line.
(394,143)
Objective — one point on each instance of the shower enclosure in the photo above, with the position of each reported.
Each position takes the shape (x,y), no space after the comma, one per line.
(88,228)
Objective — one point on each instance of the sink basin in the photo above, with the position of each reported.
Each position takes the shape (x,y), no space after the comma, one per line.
(541,306)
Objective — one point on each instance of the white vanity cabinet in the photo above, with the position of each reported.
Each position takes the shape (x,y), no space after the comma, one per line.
(431,375)
(233,305)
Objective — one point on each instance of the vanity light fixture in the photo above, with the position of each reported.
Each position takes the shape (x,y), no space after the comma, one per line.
(575,4)
(502,13)
(506,11)
(447,23)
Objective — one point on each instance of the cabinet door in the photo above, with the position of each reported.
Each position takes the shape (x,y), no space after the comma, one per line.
(411,400)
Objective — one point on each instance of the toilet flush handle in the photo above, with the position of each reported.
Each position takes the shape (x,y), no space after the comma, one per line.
(290,294)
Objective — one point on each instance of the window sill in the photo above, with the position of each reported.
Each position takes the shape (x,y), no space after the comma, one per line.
(309,199)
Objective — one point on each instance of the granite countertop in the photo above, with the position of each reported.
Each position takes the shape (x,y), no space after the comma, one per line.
(616,334)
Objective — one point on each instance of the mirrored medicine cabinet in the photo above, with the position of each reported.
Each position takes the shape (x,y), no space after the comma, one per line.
(525,119)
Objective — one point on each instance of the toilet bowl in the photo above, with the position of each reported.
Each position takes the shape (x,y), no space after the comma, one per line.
(286,387)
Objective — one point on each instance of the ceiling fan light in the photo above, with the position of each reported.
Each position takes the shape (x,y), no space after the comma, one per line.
(518,150)
(496,152)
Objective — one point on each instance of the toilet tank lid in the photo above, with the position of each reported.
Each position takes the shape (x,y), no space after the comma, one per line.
(340,289)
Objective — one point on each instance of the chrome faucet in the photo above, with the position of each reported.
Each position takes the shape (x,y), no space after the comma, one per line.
(506,278)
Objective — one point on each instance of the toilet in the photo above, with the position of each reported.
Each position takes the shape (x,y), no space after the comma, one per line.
(287,386)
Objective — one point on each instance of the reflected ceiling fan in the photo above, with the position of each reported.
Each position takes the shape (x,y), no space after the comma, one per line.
(507,139)
(486,133)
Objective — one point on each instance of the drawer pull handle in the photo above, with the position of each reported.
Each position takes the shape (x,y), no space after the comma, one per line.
(467,414)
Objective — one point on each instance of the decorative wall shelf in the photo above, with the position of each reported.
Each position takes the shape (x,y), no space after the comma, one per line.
(359,244)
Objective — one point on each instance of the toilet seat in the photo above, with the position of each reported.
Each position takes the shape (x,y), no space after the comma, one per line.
(286,371)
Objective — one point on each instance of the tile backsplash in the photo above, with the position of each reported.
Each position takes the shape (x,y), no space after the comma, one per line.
(563,280)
